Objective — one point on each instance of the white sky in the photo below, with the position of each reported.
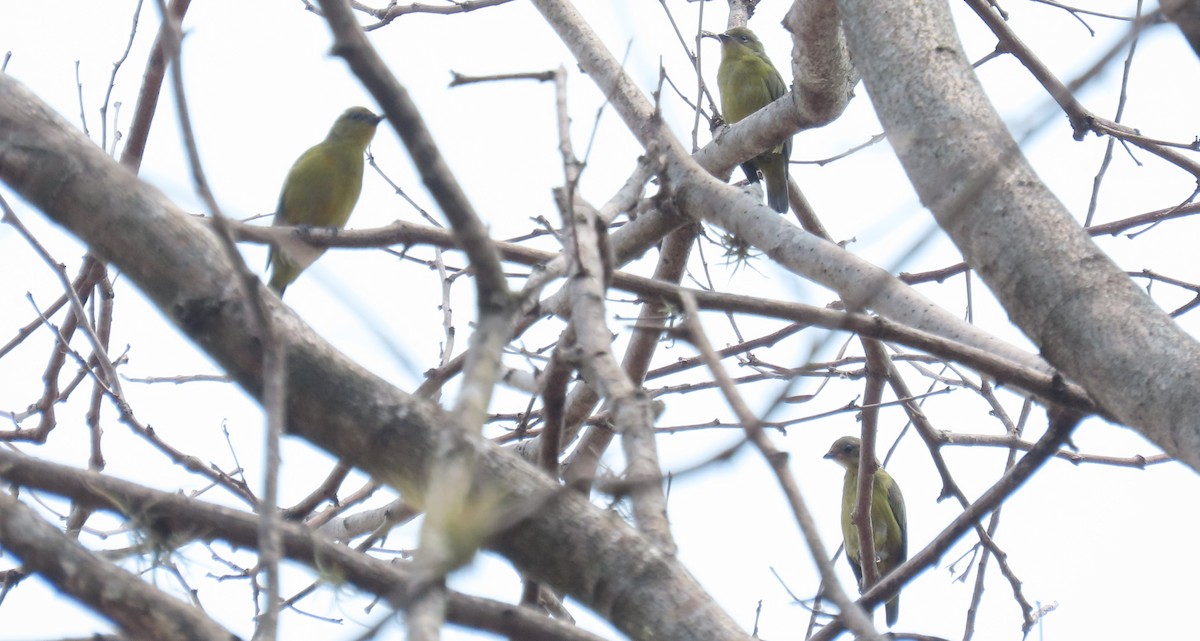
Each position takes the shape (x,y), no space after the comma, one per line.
(1110,546)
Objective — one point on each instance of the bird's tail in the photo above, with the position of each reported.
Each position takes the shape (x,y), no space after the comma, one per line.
(283,272)
(892,610)
(775,174)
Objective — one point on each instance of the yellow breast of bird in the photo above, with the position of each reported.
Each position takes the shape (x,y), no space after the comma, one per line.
(881,519)
(751,78)
(322,188)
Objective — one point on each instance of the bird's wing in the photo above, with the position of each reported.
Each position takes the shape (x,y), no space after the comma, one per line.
(296,168)
(312,188)
(896,503)
(777,88)
(775,84)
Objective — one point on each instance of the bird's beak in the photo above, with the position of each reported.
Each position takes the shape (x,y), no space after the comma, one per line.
(379,119)
(714,36)
(830,455)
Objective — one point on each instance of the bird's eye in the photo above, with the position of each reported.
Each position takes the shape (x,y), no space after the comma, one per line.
(743,38)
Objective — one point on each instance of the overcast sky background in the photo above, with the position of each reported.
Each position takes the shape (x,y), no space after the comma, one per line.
(1110,546)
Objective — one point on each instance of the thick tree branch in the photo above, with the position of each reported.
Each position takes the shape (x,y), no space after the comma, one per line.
(1086,316)
(141,610)
(179,520)
(697,193)
(564,541)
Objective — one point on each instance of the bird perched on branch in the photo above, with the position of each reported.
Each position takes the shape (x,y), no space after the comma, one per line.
(321,190)
(748,82)
(888,521)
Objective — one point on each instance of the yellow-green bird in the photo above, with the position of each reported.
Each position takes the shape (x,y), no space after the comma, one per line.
(748,82)
(321,190)
(887,517)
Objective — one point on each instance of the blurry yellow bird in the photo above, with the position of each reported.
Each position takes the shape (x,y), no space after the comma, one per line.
(321,190)
(748,82)
(888,521)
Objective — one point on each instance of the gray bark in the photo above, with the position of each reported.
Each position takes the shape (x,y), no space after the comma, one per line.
(1087,317)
